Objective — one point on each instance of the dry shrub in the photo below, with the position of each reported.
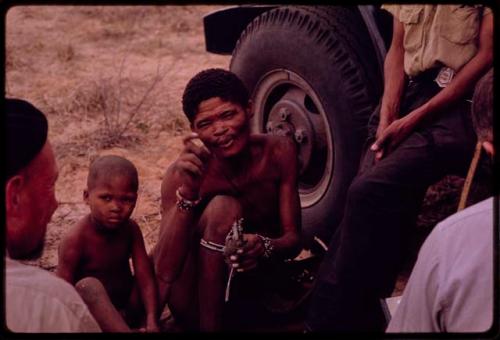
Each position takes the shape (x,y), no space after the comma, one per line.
(119,100)
(91,98)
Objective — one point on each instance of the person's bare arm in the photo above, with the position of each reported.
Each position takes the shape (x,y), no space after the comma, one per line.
(464,81)
(143,271)
(394,79)
(176,226)
(69,253)
(288,244)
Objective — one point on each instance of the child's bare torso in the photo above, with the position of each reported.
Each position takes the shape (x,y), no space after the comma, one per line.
(105,256)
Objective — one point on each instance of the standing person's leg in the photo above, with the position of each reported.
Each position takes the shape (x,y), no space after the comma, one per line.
(370,241)
(383,201)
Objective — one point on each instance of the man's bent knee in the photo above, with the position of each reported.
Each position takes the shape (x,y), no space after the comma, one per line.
(218,217)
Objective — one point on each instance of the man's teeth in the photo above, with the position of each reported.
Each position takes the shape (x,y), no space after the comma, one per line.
(226,144)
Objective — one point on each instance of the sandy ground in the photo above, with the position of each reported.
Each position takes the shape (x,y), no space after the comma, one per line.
(77,63)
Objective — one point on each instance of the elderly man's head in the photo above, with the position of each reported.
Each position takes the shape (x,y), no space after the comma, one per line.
(29,180)
(482,111)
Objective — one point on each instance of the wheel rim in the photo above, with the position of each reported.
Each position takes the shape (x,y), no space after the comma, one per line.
(286,105)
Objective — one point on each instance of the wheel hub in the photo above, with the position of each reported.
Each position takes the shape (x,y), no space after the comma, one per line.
(286,105)
(289,118)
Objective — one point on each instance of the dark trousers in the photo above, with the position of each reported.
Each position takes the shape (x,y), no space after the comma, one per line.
(366,252)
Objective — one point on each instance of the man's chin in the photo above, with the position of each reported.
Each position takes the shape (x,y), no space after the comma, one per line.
(234,151)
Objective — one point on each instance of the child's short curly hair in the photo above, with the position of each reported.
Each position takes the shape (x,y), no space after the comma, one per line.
(210,83)
(109,166)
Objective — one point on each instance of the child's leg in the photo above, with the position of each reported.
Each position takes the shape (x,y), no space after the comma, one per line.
(135,314)
(100,306)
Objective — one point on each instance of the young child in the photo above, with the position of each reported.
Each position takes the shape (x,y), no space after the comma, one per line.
(94,255)
(224,174)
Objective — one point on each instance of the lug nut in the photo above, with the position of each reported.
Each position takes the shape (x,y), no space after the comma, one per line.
(269,126)
(300,136)
(284,114)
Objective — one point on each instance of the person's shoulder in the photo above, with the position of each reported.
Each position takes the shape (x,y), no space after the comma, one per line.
(80,230)
(53,304)
(483,209)
(273,143)
(39,281)
(469,225)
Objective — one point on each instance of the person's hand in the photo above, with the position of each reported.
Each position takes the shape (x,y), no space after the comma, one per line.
(386,118)
(192,164)
(247,257)
(391,137)
(383,124)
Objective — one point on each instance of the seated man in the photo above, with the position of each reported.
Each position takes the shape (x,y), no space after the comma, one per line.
(451,286)
(35,300)
(224,174)
(95,253)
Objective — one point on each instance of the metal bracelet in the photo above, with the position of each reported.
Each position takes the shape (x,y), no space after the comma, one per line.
(268,246)
(184,204)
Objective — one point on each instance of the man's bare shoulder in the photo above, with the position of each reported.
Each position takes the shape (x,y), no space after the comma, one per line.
(272,141)
(280,148)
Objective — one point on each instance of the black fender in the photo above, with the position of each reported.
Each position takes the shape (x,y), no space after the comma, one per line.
(224,27)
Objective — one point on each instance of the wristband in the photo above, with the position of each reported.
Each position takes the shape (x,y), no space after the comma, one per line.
(268,246)
(184,204)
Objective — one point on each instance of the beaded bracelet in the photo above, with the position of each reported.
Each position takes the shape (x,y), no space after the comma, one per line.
(184,204)
(268,246)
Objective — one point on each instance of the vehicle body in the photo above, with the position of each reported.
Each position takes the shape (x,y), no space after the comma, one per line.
(315,73)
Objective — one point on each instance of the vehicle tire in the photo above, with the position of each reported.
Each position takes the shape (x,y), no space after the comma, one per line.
(313,75)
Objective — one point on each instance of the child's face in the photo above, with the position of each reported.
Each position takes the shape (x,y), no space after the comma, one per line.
(223,126)
(111,201)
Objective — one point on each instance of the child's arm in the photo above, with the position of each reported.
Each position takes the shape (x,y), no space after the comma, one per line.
(143,271)
(69,256)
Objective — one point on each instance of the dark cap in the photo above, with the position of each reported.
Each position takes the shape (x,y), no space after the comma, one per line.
(26,130)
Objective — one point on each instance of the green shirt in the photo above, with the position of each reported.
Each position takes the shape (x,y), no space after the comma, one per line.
(438,35)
